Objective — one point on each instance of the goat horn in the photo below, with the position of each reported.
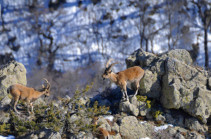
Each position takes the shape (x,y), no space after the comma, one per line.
(46,81)
(107,64)
(112,65)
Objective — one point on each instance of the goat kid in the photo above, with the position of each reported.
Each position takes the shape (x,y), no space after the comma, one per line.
(122,78)
(21,92)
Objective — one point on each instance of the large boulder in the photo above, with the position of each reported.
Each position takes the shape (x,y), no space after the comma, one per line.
(10,74)
(131,129)
(185,87)
(171,79)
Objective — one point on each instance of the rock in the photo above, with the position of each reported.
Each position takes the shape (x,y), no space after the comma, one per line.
(5,101)
(160,118)
(127,107)
(115,128)
(5,117)
(179,83)
(209,83)
(10,74)
(117,136)
(130,128)
(102,122)
(194,135)
(172,131)
(84,135)
(33,136)
(149,127)
(193,124)
(150,85)
(45,133)
(133,100)
(179,136)
(171,79)
(143,110)
(181,55)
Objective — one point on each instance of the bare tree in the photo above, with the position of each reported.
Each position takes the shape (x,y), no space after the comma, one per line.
(203,8)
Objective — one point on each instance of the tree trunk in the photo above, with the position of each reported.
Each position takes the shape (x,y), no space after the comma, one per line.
(147,48)
(51,60)
(206,49)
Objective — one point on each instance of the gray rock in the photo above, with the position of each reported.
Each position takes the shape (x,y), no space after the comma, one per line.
(117,136)
(179,136)
(143,110)
(102,122)
(150,85)
(171,78)
(127,107)
(195,135)
(172,131)
(160,118)
(193,124)
(115,127)
(10,74)
(45,133)
(5,101)
(133,100)
(181,55)
(130,128)
(84,135)
(4,117)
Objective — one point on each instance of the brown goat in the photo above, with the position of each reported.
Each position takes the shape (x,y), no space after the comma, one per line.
(21,92)
(130,75)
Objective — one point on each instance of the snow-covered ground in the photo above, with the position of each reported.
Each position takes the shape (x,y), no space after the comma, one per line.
(9,137)
(77,29)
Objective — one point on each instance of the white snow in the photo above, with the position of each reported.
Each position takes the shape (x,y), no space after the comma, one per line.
(145,138)
(109,117)
(78,32)
(9,137)
(142,122)
(163,127)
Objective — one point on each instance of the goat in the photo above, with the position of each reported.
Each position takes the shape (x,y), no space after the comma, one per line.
(21,92)
(130,75)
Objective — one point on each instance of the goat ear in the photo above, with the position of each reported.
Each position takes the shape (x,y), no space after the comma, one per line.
(43,86)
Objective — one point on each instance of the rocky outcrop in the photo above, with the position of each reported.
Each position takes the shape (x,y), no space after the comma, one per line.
(171,79)
(11,73)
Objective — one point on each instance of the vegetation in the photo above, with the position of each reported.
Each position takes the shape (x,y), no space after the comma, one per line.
(57,117)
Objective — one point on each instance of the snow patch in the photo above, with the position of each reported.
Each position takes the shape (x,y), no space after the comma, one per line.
(109,117)
(157,128)
(142,122)
(9,137)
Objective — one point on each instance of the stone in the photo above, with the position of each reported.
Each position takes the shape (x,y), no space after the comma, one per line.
(10,74)
(102,122)
(4,117)
(179,136)
(193,124)
(150,85)
(45,133)
(195,135)
(5,101)
(172,79)
(133,100)
(130,128)
(127,107)
(143,110)
(160,118)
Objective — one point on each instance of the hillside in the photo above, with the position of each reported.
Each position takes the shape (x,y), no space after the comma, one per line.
(173,102)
